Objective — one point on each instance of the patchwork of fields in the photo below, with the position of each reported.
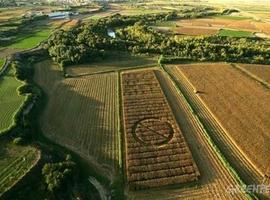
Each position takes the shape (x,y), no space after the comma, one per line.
(224,26)
(177,131)
(90,116)
(214,176)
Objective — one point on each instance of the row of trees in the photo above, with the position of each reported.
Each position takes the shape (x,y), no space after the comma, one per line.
(89,41)
(142,39)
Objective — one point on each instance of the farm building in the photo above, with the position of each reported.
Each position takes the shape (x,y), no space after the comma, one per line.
(59,15)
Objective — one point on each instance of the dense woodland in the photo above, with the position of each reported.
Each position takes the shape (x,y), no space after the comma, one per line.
(134,34)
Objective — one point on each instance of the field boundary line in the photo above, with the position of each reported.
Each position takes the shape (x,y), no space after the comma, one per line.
(123,144)
(222,127)
(251,75)
(227,165)
(119,127)
(111,71)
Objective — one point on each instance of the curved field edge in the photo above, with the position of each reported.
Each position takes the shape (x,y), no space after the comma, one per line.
(232,171)
(18,168)
(8,78)
(54,79)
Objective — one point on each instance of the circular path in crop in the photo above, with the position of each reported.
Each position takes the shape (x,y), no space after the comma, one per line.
(153,131)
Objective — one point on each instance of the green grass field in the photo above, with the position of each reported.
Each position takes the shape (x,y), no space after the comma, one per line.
(1,63)
(15,162)
(31,40)
(234,33)
(10,101)
(230,17)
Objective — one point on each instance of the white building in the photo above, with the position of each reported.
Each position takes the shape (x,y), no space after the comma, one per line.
(59,15)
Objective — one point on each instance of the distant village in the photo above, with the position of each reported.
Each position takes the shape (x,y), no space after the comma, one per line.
(6,3)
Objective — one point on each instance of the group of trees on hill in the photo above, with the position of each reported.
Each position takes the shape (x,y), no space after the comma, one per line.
(133,33)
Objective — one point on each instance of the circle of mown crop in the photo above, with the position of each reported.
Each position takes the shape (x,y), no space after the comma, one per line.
(152,131)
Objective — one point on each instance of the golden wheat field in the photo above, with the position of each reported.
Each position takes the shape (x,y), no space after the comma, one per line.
(246,24)
(215,179)
(196,31)
(82,114)
(240,104)
(261,71)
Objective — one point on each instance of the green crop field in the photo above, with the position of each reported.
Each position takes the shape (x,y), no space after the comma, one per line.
(31,40)
(233,33)
(1,63)
(10,101)
(231,17)
(15,162)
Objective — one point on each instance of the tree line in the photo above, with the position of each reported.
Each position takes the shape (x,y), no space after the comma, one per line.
(89,41)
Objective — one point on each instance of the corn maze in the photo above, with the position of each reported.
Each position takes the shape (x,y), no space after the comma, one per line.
(156,151)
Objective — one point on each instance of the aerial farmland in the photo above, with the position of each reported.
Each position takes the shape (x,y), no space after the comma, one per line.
(147,100)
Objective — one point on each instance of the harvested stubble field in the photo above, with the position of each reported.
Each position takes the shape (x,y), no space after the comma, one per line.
(235,100)
(15,162)
(185,30)
(215,179)
(65,23)
(156,151)
(82,114)
(219,23)
(260,71)
(9,13)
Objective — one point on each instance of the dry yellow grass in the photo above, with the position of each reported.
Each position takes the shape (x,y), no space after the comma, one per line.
(6,14)
(247,24)
(239,103)
(263,27)
(261,71)
(196,31)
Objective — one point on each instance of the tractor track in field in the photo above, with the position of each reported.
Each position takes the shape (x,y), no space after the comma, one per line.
(244,167)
